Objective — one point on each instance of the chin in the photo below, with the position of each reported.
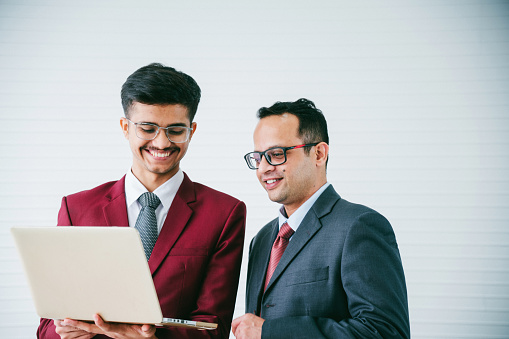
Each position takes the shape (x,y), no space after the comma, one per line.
(164,171)
(159,169)
(276,198)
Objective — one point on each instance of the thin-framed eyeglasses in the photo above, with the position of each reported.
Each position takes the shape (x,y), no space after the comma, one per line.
(275,156)
(149,131)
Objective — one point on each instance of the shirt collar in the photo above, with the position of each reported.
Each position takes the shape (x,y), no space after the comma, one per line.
(134,188)
(296,218)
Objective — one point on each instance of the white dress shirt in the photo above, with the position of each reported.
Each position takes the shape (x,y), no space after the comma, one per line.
(166,193)
(296,218)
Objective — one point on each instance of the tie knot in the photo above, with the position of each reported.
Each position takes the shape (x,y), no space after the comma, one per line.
(149,199)
(286,231)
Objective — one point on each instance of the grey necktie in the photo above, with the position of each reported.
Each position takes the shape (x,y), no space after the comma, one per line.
(146,223)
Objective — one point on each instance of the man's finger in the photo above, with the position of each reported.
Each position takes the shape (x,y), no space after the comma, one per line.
(91,328)
(235,324)
(101,323)
(147,328)
(58,322)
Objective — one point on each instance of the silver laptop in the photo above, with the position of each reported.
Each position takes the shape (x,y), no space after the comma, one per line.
(75,272)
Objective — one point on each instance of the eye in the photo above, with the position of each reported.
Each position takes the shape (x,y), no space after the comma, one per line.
(147,128)
(176,130)
(277,154)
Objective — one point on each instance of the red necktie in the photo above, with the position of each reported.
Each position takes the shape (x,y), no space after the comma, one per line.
(277,250)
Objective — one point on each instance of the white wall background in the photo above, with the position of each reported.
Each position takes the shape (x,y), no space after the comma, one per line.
(416,94)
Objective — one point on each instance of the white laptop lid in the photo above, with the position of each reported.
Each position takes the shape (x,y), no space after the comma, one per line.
(75,272)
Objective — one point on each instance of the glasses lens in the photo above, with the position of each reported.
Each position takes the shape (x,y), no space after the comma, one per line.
(146,131)
(276,156)
(253,160)
(178,134)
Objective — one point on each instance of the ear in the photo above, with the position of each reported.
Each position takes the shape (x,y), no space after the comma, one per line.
(124,124)
(321,153)
(193,126)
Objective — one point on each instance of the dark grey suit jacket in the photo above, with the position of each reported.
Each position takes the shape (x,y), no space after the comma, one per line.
(340,276)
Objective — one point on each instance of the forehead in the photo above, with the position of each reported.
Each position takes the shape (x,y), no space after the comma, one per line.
(276,130)
(159,114)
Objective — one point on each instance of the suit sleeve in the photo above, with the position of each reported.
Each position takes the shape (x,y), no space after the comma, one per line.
(217,296)
(46,328)
(64,219)
(373,280)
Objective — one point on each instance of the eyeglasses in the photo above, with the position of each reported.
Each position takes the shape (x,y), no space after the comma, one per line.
(149,131)
(275,156)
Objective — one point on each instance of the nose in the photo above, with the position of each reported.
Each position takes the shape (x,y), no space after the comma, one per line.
(264,165)
(161,140)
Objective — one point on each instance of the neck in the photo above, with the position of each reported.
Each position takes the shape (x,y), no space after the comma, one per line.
(152,181)
(291,208)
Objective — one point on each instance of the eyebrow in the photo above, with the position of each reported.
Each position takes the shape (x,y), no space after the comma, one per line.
(276,146)
(177,124)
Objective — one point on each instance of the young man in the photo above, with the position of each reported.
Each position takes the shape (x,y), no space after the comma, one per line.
(325,268)
(198,232)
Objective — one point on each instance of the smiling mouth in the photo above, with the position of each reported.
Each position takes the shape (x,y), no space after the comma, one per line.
(161,155)
(272,182)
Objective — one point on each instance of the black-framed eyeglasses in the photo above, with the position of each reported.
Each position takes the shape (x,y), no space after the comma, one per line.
(149,131)
(275,156)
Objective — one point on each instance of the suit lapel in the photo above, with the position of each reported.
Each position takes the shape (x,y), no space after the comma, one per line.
(176,220)
(261,257)
(115,210)
(307,229)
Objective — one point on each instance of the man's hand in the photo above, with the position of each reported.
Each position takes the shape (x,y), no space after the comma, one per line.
(248,326)
(112,330)
(71,332)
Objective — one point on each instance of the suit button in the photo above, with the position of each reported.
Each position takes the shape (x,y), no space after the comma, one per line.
(269,305)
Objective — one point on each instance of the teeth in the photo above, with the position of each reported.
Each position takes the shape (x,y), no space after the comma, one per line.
(271,181)
(160,155)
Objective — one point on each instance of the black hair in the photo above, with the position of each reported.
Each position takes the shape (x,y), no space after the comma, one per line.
(156,84)
(312,123)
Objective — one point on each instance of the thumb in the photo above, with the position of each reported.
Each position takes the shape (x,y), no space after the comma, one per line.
(148,330)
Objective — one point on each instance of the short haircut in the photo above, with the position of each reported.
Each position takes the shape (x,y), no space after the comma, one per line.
(312,123)
(156,84)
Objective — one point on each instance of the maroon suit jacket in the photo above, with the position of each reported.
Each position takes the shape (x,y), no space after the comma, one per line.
(195,262)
